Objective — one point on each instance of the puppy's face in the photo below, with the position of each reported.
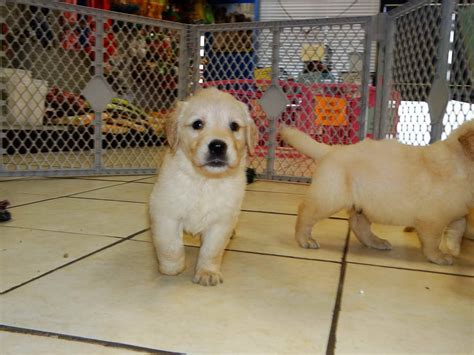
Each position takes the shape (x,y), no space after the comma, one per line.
(214,130)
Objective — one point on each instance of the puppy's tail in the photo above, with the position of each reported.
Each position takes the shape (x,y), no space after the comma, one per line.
(304,143)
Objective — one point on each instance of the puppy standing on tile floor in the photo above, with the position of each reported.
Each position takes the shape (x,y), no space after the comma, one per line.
(202,181)
(430,188)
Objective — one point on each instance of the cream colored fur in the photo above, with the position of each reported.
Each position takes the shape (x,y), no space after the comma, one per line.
(469,233)
(452,237)
(453,234)
(430,188)
(194,197)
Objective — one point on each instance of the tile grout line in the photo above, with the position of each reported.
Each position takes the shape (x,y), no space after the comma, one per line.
(256,253)
(277,255)
(105,180)
(105,343)
(331,346)
(336,262)
(74,261)
(325,260)
(410,269)
(277,192)
(63,196)
(74,195)
(287,214)
(143,203)
(104,199)
(246,190)
(63,232)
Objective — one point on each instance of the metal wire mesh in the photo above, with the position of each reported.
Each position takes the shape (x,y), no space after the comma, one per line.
(317,64)
(416,58)
(461,75)
(52,51)
(326,62)
(145,72)
(415,53)
(36,65)
(87,92)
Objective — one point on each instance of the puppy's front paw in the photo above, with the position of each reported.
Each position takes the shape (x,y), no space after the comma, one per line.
(207,278)
(171,268)
(440,259)
(308,243)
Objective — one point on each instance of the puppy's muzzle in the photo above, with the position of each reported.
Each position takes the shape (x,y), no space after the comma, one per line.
(217,153)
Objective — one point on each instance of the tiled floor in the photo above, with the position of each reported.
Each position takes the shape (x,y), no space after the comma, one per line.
(78,275)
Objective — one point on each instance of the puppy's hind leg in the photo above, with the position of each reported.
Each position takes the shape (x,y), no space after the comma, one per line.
(167,235)
(452,237)
(310,211)
(469,233)
(327,195)
(360,225)
(308,215)
(430,237)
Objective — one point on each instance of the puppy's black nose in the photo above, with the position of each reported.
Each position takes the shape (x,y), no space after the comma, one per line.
(217,148)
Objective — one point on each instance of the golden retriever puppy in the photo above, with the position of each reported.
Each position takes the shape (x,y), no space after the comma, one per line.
(386,182)
(201,184)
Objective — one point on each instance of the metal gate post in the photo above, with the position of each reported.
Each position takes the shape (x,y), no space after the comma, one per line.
(439,92)
(195,42)
(386,76)
(364,100)
(183,65)
(99,71)
(272,126)
(2,86)
(378,27)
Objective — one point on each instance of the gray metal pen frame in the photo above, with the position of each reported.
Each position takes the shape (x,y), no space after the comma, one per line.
(46,45)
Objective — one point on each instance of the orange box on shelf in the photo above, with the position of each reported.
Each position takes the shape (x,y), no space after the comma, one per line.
(330,111)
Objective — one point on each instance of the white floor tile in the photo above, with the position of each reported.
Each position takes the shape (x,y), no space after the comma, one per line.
(272,186)
(405,312)
(274,234)
(128,192)
(28,253)
(406,253)
(30,190)
(266,304)
(85,216)
(116,177)
(25,344)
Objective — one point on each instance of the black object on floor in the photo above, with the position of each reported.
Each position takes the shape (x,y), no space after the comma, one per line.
(251,175)
(4,214)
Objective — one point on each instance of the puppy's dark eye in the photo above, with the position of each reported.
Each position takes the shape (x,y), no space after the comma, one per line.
(197,125)
(234,126)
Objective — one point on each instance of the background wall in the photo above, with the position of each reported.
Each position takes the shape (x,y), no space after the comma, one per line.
(304,9)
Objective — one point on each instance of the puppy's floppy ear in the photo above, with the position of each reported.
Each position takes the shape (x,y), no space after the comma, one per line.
(467,143)
(251,134)
(172,125)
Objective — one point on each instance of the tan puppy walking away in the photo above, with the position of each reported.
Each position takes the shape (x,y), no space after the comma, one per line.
(386,182)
